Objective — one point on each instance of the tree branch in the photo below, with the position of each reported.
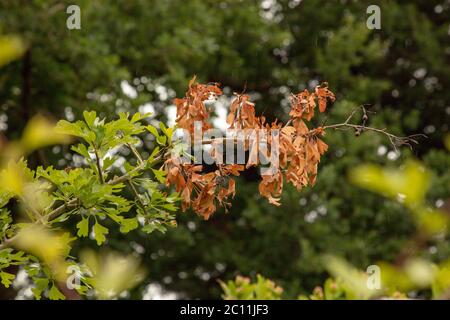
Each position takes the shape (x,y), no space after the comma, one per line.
(360,128)
(138,198)
(99,168)
(74,203)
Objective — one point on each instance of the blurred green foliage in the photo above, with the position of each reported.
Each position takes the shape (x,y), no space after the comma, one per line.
(11,49)
(411,276)
(270,48)
(411,271)
(243,289)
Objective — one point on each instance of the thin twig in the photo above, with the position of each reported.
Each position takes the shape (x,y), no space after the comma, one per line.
(395,140)
(136,153)
(99,168)
(138,198)
(359,128)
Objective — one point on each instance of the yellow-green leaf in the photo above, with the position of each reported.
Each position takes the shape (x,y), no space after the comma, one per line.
(83,227)
(55,294)
(11,48)
(40,132)
(7,278)
(407,184)
(100,232)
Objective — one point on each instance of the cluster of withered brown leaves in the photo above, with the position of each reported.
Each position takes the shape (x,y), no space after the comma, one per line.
(300,148)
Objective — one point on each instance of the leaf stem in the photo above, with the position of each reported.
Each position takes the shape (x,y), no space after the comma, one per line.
(136,153)
(136,195)
(99,167)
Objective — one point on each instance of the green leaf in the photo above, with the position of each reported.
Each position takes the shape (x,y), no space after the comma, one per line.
(11,48)
(355,281)
(161,140)
(128,224)
(154,225)
(152,130)
(167,131)
(77,129)
(151,158)
(32,270)
(136,117)
(108,162)
(100,232)
(90,117)
(55,294)
(163,128)
(431,221)
(407,184)
(82,150)
(40,285)
(7,278)
(40,132)
(170,207)
(447,141)
(66,127)
(159,175)
(83,227)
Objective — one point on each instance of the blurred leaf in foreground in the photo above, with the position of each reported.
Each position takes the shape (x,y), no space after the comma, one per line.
(13,178)
(417,273)
(112,273)
(11,48)
(353,280)
(49,247)
(407,184)
(40,132)
(447,141)
(440,287)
